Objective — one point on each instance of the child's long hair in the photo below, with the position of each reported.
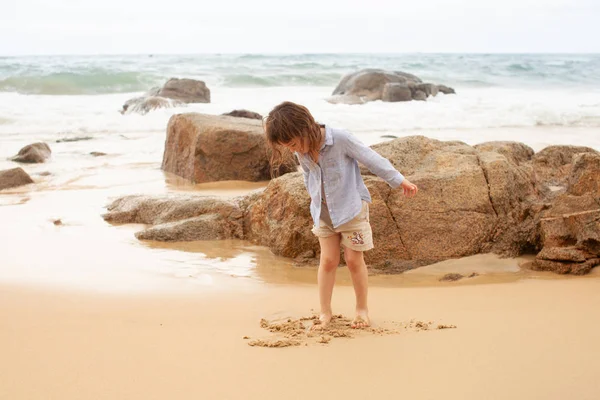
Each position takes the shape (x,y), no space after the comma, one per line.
(286,122)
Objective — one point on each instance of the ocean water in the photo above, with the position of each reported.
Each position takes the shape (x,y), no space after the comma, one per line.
(42,97)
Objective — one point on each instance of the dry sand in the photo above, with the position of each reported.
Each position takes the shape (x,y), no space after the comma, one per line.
(532,339)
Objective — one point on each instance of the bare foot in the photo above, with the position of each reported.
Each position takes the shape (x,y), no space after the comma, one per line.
(361,320)
(322,323)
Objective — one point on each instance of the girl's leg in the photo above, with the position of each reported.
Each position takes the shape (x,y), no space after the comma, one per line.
(330,259)
(360,279)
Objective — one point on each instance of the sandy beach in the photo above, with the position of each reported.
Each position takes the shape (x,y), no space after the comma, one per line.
(530,339)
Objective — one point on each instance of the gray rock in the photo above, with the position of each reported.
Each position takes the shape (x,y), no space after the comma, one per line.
(33,153)
(143,105)
(244,114)
(185,90)
(369,85)
(446,90)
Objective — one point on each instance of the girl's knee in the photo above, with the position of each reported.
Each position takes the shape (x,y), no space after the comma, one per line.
(329,263)
(354,259)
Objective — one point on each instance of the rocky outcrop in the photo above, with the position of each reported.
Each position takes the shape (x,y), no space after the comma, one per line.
(207,148)
(390,86)
(472,199)
(179,217)
(33,153)
(15,177)
(570,228)
(244,114)
(552,167)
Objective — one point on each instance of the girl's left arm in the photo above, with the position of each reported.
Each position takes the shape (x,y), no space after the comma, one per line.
(377,164)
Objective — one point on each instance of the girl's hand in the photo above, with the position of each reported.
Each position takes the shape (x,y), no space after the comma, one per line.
(410,189)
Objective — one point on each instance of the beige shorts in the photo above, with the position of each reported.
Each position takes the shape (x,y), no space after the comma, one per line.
(356,234)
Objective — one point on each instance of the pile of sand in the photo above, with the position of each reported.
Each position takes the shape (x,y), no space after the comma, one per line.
(297,332)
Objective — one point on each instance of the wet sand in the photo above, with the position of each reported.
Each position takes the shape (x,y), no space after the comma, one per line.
(527,340)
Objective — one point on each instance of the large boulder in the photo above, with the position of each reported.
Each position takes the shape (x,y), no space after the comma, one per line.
(185,90)
(207,148)
(376,84)
(33,153)
(452,216)
(15,177)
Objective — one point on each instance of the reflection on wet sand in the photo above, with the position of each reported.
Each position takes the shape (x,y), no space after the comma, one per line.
(83,250)
(223,188)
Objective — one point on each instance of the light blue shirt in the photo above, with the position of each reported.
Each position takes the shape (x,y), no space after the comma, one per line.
(338,170)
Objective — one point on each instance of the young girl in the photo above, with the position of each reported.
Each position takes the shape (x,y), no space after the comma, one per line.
(339,198)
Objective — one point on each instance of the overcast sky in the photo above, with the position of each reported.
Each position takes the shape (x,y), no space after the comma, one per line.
(307,26)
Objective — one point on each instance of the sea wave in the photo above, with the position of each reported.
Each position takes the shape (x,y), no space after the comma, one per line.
(73,75)
(284,79)
(77,83)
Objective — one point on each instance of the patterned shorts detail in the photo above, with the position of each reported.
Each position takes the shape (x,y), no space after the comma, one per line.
(356,234)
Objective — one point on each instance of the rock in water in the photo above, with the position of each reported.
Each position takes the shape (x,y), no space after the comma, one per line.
(376,84)
(143,105)
(13,178)
(33,153)
(185,90)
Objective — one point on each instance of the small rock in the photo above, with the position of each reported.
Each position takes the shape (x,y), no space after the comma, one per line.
(143,105)
(244,114)
(13,178)
(451,277)
(443,326)
(33,153)
(446,90)
(74,139)
(97,154)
